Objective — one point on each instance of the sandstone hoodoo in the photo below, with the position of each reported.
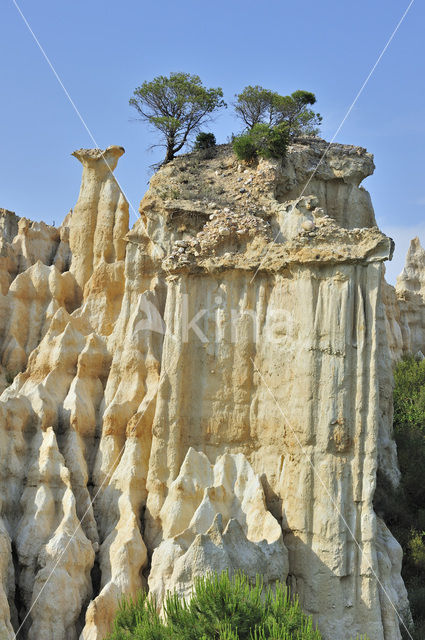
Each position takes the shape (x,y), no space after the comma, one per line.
(210,389)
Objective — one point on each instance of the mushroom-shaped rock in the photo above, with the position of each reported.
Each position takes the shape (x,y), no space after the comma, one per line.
(99,220)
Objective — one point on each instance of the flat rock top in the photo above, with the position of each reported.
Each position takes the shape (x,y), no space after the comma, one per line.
(223,213)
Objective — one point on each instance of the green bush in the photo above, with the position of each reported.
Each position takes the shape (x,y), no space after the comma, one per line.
(404,508)
(262,141)
(270,142)
(409,394)
(205,141)
(221,608)
(417,549)
(244,148)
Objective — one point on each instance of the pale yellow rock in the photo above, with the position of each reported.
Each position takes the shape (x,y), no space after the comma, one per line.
(333,422)
(55,555)
(99,221)
(35,241)
(32,289)
(393,321)
(390,556)
(32,300)
(410,290)
(405,306)
(123,555)
(214,519)
(9,261)
(194,393)
(334,179)
(63,255)
(22,244)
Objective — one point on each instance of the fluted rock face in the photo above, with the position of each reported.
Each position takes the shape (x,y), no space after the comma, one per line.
(216,517)
(208,390)
(22,244)
(100,218)
(405,305)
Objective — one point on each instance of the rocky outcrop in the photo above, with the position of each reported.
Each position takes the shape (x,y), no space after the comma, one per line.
(55,556)
(215,519)
(405,306)
(100,219)
(210,389)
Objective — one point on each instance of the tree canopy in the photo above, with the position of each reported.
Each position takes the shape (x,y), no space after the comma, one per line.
(255,105)
(176,105)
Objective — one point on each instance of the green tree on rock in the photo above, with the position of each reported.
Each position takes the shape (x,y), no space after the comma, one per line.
(256,105)
(294,111)
(176,105)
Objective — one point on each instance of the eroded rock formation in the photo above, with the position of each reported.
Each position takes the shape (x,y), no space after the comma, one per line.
(210,389)
(406,304)
(216,517)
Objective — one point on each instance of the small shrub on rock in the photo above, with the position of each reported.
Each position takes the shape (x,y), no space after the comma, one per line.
(205,140)
(270,142)
(244,147)
(221,608)
(262,141)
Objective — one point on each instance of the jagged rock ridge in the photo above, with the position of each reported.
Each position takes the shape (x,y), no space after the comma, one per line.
(406,305)
(209,389)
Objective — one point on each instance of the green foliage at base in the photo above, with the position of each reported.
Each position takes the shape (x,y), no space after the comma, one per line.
(222,608)
(262,141)
(403,509)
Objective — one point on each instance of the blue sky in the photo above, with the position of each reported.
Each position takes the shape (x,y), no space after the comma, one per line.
(102,50)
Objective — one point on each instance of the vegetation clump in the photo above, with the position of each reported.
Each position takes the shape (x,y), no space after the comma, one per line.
(205,141)
(263,140)
(222,608)
(255,105)
(403,508)
(176,105)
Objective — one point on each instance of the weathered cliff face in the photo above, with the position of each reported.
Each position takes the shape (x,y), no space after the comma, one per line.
(211,389)
(406,305)
(216,517)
